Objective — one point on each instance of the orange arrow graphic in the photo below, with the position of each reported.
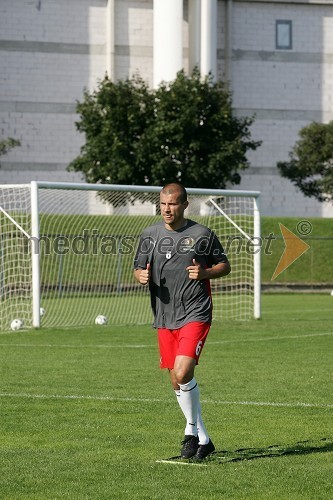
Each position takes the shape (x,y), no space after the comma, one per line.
(294,248)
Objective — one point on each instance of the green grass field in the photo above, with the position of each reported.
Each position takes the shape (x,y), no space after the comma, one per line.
(87,414)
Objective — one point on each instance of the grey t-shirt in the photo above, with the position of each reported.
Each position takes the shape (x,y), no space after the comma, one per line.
(176,299)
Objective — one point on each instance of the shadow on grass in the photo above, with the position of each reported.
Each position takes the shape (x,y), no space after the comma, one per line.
(323,445)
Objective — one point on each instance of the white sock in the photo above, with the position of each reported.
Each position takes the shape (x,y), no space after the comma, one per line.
(202,431)
(189,403)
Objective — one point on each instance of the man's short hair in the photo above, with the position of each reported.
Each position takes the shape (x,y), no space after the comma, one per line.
(171,187)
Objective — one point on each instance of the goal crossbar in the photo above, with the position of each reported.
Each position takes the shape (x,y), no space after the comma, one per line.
(141,189)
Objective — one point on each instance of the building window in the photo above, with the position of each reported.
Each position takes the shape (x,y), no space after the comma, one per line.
(283,35)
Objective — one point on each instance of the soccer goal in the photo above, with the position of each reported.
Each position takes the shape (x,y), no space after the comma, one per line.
(67,250)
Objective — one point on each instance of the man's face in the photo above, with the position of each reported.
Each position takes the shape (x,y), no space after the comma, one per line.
(172,209)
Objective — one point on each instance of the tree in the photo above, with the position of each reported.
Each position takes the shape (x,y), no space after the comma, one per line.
(184,130)
(114,119)
(310,166)
(7,144)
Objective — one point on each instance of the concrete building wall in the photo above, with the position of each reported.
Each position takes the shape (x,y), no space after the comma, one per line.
(50,51)
(134,39)
(284,89)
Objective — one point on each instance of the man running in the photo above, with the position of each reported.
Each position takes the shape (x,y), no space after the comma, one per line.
(176,258)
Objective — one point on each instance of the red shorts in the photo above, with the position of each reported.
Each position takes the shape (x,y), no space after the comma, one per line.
(185,341)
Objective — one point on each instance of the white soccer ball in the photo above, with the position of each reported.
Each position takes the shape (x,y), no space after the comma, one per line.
(16,324)
(332,293)
(101,320)
(41,311)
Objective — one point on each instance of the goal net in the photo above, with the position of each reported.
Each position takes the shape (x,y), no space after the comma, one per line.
(68,250)
(15,255)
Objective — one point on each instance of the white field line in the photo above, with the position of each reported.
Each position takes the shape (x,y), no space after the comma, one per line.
(88,346)
(264,339)
(176,462)
(144,346)
(299,311)
(297,404)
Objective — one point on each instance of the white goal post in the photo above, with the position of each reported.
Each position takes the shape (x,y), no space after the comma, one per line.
(67,250)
